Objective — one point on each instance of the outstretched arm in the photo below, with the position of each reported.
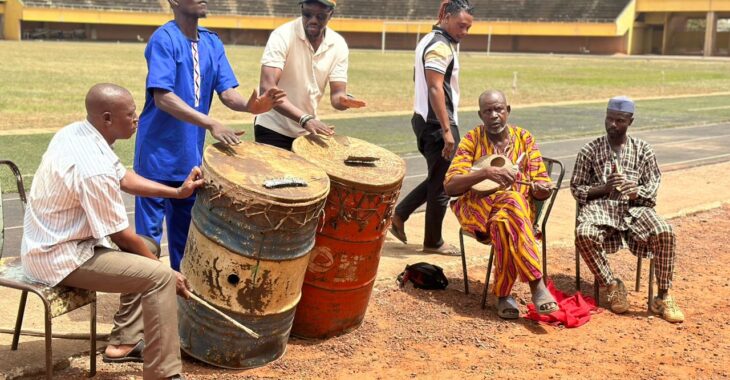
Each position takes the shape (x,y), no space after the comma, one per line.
(256,104)
(341,100)
(169,102)
(135,184)
(270,79)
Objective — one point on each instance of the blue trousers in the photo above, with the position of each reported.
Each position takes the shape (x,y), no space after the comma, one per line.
(148,216)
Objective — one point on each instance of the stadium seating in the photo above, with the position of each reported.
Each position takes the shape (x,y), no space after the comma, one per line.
(128,5)
(513,10)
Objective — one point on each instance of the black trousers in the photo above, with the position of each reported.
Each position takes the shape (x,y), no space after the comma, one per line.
(431,190)
(267,136)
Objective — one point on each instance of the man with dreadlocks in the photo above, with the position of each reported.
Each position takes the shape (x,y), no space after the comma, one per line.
(435,121)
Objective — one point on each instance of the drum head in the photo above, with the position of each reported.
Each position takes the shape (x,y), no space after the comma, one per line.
(353,161)
(248,166)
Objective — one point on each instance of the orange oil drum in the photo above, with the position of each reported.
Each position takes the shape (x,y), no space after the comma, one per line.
(247,252)
(365,181)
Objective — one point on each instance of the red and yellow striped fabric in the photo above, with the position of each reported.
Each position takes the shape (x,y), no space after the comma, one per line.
(507,216)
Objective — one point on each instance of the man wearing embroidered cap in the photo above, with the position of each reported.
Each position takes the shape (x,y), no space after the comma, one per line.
(301,57)
(615,181)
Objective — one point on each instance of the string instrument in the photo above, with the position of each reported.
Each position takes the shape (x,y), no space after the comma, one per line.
(488,186)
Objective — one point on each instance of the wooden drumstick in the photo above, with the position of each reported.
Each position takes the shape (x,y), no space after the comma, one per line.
(245,329)
(529,183)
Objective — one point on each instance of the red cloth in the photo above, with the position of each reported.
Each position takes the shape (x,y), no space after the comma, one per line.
(575,310)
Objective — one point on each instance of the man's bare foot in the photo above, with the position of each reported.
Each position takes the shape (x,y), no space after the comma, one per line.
(445,249)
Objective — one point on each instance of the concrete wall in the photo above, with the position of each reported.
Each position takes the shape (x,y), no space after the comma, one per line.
(531,44)
(400,41)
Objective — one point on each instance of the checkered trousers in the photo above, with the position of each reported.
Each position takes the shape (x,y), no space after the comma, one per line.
(648,235)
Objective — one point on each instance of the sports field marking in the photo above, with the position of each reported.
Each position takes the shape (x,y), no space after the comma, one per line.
(708,108)
(699,159)
(342,116)
(668,143)
(348,116)
(664,144)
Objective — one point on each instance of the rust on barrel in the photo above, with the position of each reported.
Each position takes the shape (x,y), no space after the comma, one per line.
(247,252)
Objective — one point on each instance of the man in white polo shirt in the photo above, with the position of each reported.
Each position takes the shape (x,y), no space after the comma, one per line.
(301,57)
(75,208)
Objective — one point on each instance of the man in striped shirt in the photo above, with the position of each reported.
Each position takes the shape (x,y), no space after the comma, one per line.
(76,211)
(435,121)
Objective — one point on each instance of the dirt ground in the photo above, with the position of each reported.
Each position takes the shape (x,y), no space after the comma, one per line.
(414,333)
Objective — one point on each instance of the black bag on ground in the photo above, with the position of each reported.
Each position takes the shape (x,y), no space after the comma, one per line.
(424,276)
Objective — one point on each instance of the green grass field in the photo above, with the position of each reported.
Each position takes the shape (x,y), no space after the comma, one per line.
(42,86)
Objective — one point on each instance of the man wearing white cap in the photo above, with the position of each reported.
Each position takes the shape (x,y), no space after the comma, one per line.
(615,181)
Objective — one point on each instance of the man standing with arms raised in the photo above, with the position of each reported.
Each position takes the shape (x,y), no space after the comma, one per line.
(186,63)
(435,121)
(301,57)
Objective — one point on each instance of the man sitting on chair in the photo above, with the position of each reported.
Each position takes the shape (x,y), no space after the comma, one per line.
(75,208)
(615,182)
(505,217)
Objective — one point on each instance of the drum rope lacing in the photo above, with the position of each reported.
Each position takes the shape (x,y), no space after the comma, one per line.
(251,207)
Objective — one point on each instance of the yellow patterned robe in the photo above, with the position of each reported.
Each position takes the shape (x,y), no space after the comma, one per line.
(505,217)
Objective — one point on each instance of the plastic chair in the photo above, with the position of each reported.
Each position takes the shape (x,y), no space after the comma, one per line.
(543,209)
(596,286)
(57,300)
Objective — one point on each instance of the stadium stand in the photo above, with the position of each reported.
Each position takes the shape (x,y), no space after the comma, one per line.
(557,26)
(126,5)
(493,10)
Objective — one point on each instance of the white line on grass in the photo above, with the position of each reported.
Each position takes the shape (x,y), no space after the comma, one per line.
(709,108)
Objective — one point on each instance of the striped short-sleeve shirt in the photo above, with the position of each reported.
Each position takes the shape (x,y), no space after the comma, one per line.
(75,202)
(437,52)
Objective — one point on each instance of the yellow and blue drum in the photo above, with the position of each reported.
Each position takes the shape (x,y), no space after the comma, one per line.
(253,227)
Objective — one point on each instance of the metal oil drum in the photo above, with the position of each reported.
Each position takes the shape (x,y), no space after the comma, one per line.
(365,182)
(247,251)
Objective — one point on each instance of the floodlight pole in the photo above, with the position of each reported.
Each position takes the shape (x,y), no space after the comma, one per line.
(382,41)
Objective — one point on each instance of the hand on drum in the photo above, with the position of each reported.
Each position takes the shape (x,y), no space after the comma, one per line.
(316,127)
(224,134)
(194,181)
(270,99)
(182,287)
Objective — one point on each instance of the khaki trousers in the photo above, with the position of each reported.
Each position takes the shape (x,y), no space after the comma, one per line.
(147,304)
